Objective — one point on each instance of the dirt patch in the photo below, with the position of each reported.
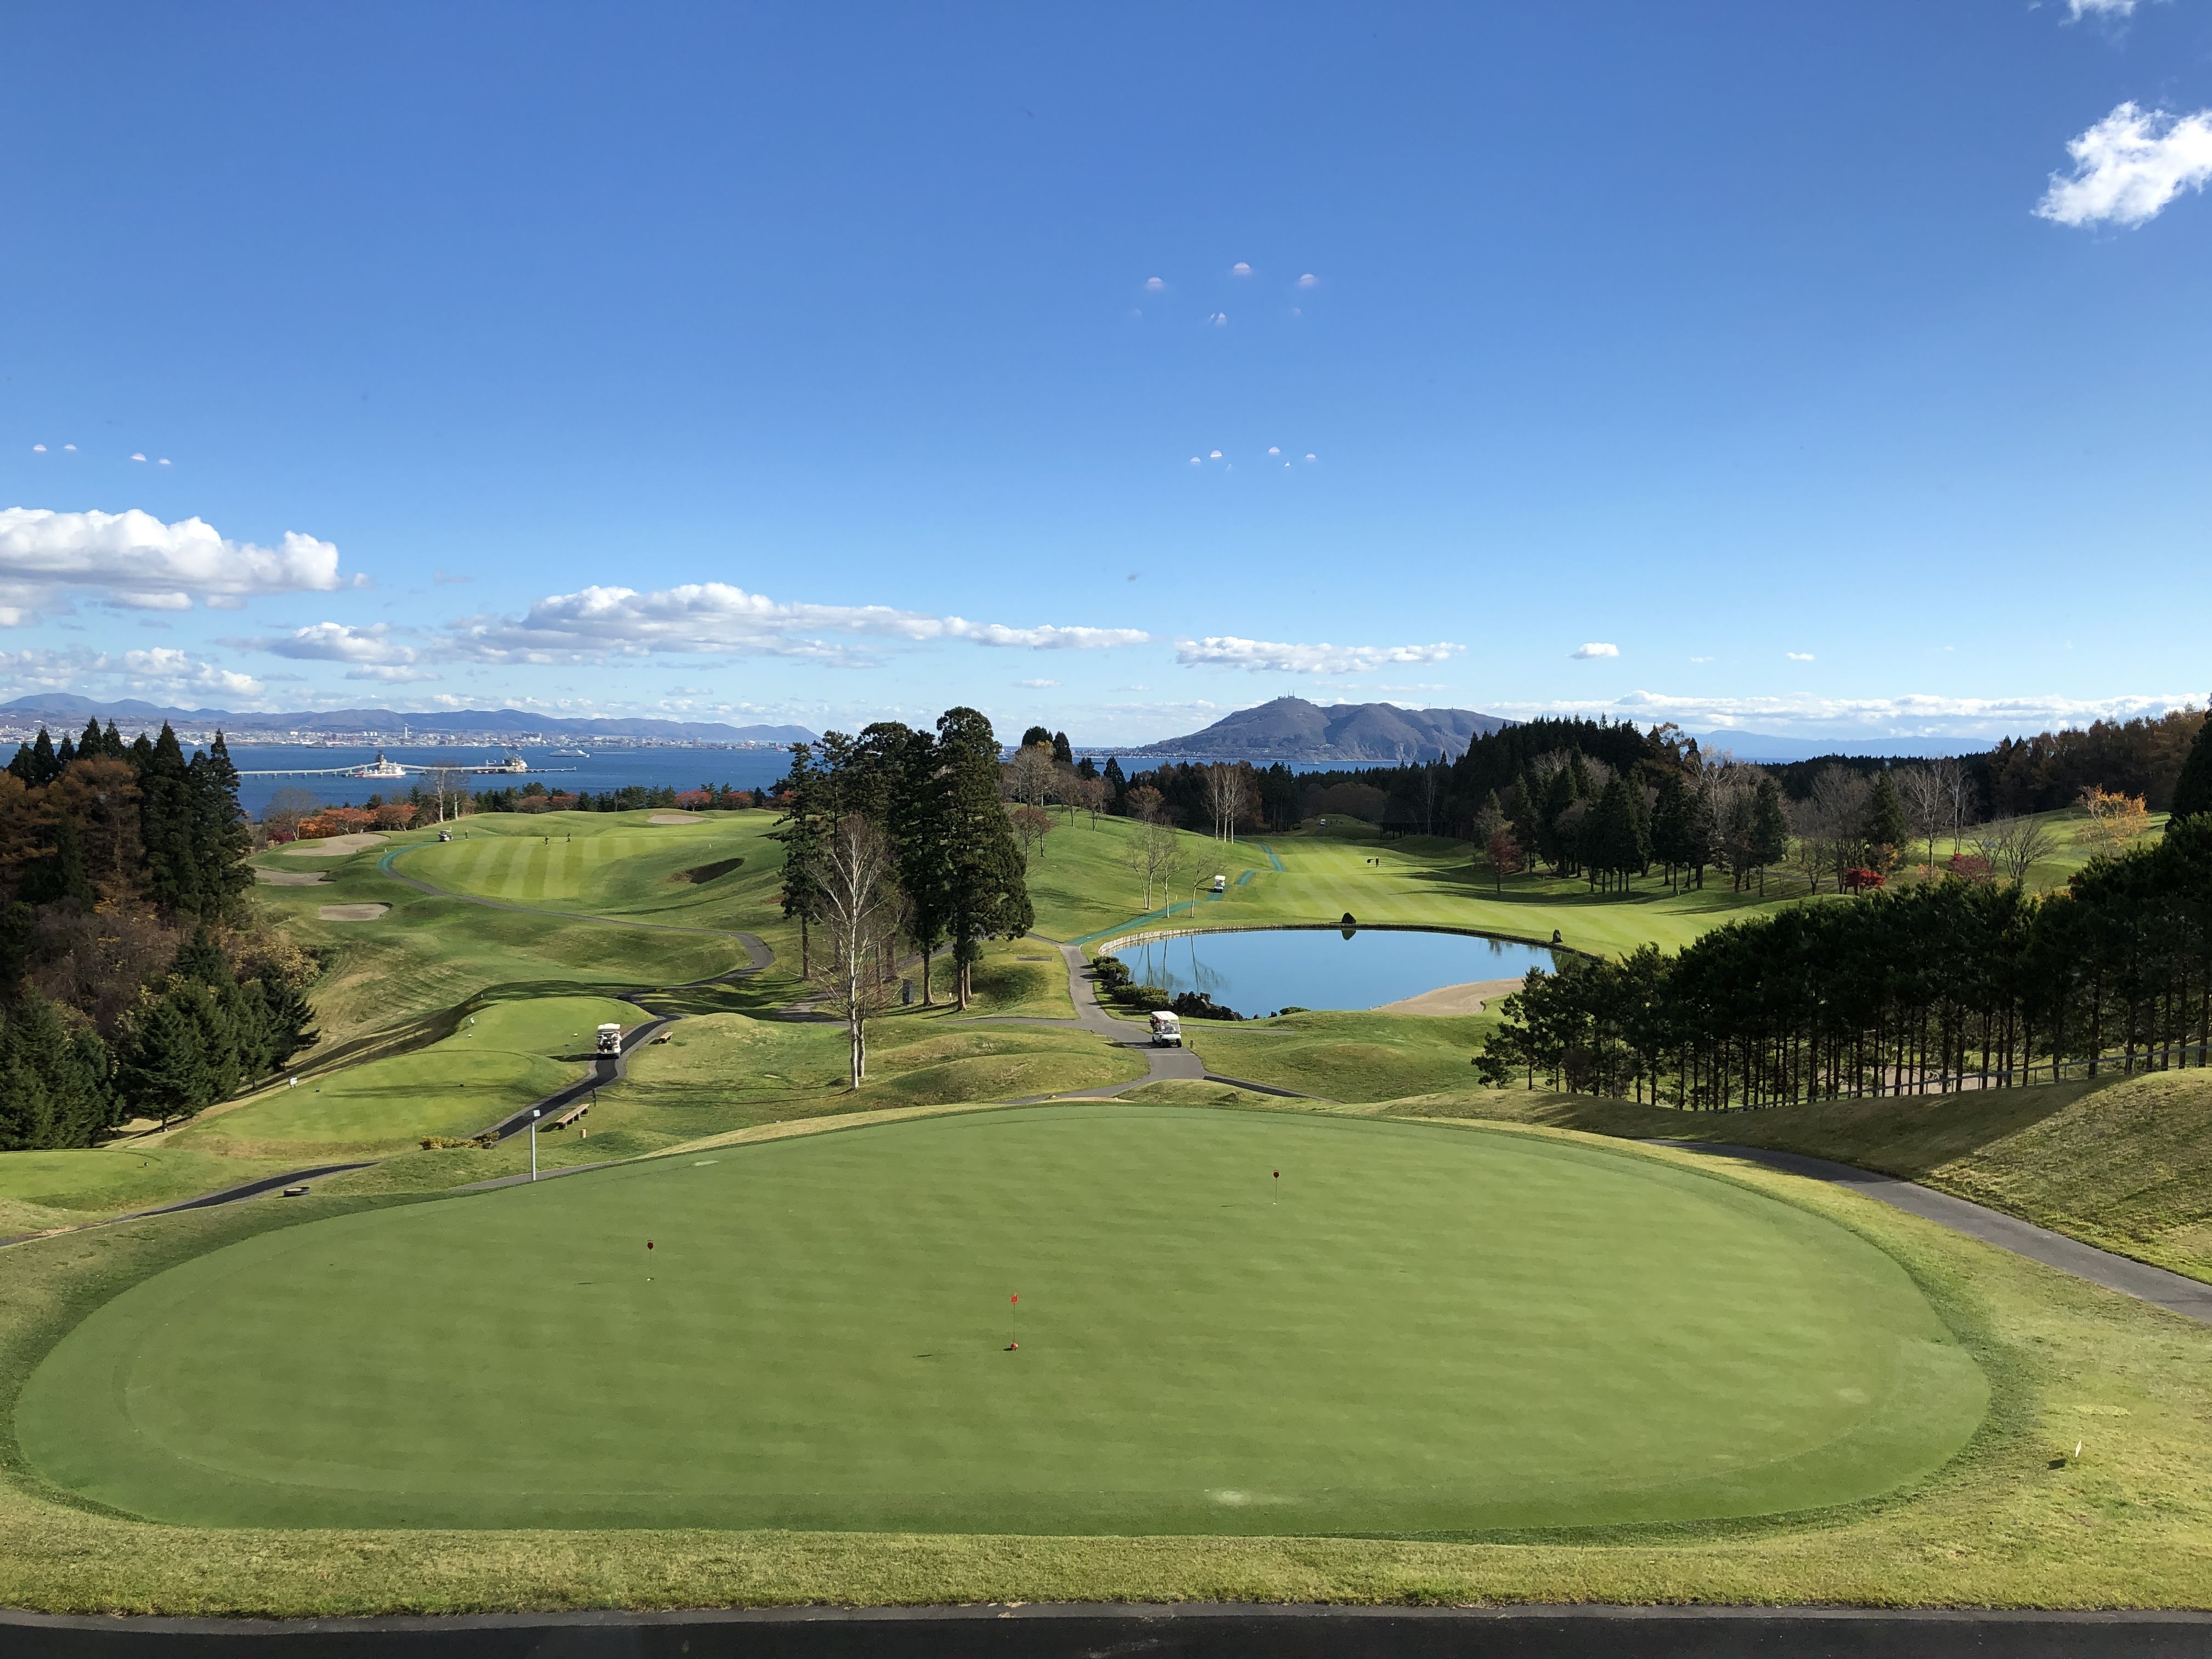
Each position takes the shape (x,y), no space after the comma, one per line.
(699,874)
(676,818)
(1453,999)
(291,877)
(352,912)
(334,847)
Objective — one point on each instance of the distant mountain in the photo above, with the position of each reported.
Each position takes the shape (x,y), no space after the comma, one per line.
(1292,729)
(497,725)
(1762,746)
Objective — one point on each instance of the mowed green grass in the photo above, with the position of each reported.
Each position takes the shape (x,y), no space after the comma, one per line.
(607,864)
(501,1058)
(1350,867)
(1357,1057)
(1417,1329)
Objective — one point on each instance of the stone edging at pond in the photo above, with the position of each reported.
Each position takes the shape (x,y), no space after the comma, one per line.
(1108,945)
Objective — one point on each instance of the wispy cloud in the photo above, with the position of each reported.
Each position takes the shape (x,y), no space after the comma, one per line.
(1036,685)
(165,665)
(1228,651)
(330,641)
(2128,165)
(1594,648)
(715,618)
(2077,10)
(1798,656)
(134,559)
(1913,714)
(391,673)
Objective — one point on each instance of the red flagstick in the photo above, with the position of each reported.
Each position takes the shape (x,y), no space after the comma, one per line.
(1015,1344)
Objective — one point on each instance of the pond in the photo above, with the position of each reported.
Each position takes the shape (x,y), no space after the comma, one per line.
(1259,971)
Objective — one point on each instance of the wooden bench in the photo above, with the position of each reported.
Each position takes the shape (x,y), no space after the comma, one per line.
(567,1117)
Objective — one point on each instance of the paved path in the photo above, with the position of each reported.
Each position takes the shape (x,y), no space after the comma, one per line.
(1161,1065)
(2189,1297)
(1188,1630)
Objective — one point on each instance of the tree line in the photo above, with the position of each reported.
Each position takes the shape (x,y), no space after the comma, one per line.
(1953,983)
(898,837)
(131,981)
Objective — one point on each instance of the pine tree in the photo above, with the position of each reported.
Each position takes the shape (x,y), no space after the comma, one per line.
(1117,787)
(35,762)
(165,823)
(91,745)
(1885,829)
(915,824)
(1769,827)
(63,754)
(112,745)
(162,1068)
(1037,734)
(1673,824)
(291,1022)
(801,830)
(1552,839)
(221,842)
(2192,793)
(200,958)
(60,877)
(987,882)
(1063,752)
(53,1078)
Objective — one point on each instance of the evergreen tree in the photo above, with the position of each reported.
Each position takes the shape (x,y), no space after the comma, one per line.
(19,938)
(1063,752)
(53,1078)
(291,1022)
(35,762)
(162,1068)
(1117,785)
(2192,795)
(1673,824)
(802,829)
(1037,734)
(166,823)
(112,745)
(221,842)
(915,824)
(63,754)
(1885,829)
(200,958)
(1769,827)
(987,881)
(60,877)
(91,745)
(1552,839)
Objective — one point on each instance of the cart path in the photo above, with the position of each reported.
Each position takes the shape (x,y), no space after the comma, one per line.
(1161,1065)
(2173,1292)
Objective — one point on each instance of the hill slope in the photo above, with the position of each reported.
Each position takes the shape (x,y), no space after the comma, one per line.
(2124,1164)
(1291,728)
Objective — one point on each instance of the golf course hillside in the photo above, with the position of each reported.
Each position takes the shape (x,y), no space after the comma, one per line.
(1227,1322)
(2124,1163)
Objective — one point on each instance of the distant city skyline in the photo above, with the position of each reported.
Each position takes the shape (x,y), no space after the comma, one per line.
(1826,375)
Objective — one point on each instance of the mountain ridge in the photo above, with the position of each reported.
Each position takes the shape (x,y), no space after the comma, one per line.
(54,707)
(1293,729)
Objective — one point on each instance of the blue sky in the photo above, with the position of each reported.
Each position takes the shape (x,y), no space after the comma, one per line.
(1772,365)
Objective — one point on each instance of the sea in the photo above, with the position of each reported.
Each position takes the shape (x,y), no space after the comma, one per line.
(318,769)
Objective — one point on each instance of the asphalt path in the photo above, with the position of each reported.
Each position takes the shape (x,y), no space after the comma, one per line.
(2189,1297)
(1183,1631)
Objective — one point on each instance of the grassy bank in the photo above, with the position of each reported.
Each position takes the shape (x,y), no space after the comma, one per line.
(2123,1163)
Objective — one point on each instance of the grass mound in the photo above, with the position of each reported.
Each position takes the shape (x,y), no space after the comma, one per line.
(820,1339)
(2124,1163)
(1357,1057)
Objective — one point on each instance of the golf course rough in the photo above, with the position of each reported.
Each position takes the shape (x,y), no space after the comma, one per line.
(1418,1328)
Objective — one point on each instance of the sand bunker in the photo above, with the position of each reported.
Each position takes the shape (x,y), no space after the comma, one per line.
(1453,999)
(332,847)
(676,818)
(352,912)
(291,877)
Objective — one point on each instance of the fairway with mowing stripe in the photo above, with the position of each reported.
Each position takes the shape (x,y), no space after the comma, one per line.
(1431,1329)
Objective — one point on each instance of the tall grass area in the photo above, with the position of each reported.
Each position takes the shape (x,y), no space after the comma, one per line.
(2124,1163)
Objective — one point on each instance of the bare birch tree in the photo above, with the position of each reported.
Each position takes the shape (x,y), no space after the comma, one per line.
(1926,804)
(860,913)
(449,787)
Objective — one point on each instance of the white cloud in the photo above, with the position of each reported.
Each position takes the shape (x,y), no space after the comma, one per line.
(1309,281)
(332,641)
(1274,449)
(1798,656)
(1227,651)
(1219,319)
(1311,458)
(391,673)
(1910,715)
(38,449)
(1154,285)
(1701,659)
(715,618)
(137,458)
(2077,10)
(1194,461)
(70,448)
(1214,455)
(1038,685)
(135,559)
(164,461)
(166,665)
(1240,269)
(2129,166)
(1584,652)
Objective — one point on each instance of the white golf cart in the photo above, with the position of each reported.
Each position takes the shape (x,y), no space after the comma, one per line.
(1167,1030)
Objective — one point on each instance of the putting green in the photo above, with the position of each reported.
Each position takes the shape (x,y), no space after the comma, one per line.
(1418,1328)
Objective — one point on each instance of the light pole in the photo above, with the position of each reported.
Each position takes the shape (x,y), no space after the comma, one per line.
(533,1145)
